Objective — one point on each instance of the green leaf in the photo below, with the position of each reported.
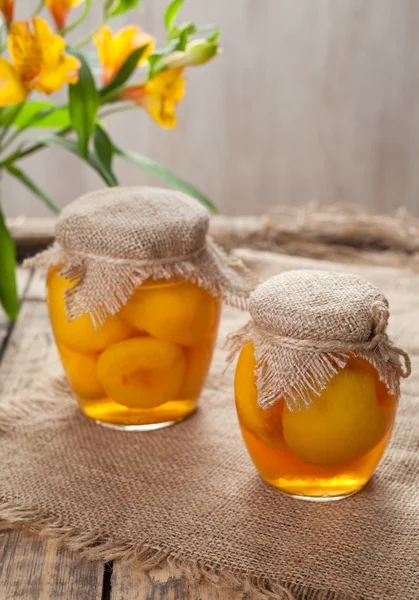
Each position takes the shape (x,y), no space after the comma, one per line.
(83,104)
(165,174)
(91,159)
(104,149)
(179,36)
(155,58)
(114,8)
(124,72)
(183,39)
(6,115)
(171,13)
(214,37)
(8,288)
(23,178)
(10,114)
(56,118)
(39,115)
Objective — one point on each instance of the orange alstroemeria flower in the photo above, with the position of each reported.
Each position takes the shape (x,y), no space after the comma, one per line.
(60,9)
(38,62)
(114,49)
(159,96)
(7,7)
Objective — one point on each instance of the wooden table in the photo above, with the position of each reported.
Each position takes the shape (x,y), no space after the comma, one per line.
(32,568)
(37,569)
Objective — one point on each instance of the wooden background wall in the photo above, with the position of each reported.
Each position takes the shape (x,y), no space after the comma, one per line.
(311,100)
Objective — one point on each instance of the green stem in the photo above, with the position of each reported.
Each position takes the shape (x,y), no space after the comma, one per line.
(89,37)
(18,154)
(11,139)
(77,22)
(29,123)
(38,8)
(207,28)
(112,111)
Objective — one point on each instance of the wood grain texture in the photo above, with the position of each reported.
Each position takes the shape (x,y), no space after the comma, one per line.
(310,100)
(161,584)
(35,569)
(6,326)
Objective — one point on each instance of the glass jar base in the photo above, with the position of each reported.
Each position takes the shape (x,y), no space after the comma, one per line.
(320,498)
(318,493)
(143,426)
(107,413)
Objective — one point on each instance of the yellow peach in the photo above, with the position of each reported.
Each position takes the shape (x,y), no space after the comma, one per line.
(264,424)
(81,373)
(142,372)
(181,312)
(80,334)
(341,425)
(361,364)
(198,360)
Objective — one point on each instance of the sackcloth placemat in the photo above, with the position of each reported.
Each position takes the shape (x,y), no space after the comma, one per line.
(189,494)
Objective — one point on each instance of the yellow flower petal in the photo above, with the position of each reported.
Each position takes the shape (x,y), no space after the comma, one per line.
(163,112)
(168,84)
(38,57)
(11,89)
(60,9)
(103,41)
(53,77)
(114,49)
(159,96)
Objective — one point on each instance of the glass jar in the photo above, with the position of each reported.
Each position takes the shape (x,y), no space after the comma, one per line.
(135,288)
(326,451)
(145,367)
(317,382)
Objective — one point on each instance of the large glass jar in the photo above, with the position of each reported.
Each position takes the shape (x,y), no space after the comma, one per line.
(145,367)
(328,450)
(135,287)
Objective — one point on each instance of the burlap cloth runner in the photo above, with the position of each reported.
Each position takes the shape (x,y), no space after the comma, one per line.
(190,495)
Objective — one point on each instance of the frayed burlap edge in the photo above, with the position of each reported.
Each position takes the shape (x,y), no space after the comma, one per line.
(145,555)
(322,361)
(211,268)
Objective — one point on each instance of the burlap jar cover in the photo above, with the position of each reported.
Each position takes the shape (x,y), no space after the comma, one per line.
(110,241)
(305,325)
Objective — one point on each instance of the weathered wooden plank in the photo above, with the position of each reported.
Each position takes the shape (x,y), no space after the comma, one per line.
(339,231)
(7,326)
(22,276)
(27,231)
(36,290)
(31,342)
(37,569)
(32,568)
(165,583)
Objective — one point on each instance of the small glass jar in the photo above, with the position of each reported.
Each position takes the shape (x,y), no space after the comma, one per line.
(326,451)
(145,367)
(317,382)
(135,287)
